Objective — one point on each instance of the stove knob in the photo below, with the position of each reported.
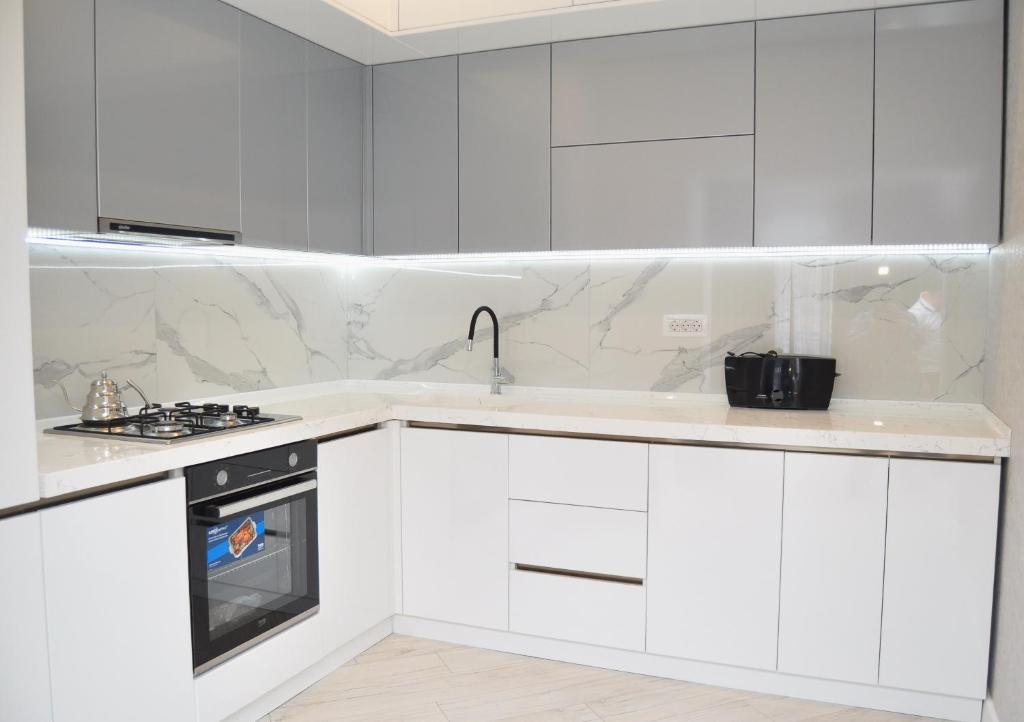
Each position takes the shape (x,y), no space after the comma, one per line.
(293,460)
(222,477)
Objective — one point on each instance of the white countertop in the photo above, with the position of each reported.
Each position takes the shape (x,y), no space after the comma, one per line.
(71,464)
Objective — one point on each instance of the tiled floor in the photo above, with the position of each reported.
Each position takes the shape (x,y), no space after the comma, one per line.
(415,680)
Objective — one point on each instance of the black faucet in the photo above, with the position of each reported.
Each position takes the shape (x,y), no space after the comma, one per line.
(496,378)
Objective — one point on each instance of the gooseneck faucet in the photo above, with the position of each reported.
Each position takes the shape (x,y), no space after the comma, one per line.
(496,377)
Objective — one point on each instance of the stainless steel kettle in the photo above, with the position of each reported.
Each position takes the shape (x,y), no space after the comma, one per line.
(104,400)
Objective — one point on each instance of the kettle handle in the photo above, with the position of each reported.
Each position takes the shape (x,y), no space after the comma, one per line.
(67,398)
(129,382)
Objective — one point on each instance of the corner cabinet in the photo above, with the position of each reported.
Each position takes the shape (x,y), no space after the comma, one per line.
(356,510)
(117,606)
(167,109)
(455,526)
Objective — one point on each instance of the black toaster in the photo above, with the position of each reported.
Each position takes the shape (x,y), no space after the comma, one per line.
(779,381)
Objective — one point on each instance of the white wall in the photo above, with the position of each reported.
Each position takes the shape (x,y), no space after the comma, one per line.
(19,483)
(1004,390)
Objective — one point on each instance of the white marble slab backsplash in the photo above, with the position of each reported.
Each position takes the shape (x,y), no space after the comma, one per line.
(186,326)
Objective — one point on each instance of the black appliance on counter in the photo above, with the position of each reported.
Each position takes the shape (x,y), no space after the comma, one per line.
(779,381)
(252,548)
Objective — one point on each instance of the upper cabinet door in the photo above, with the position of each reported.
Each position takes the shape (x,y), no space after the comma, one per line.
(273,133)
(167,76)
(415,156)
(673,84)
(505,150)
(669,194)
(335,157)
(815,85)
(60,114)
(938,123)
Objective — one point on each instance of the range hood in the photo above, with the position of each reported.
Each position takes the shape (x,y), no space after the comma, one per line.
(122,231)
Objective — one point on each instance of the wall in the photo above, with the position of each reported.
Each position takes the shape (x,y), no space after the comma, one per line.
(1004,393)
(192,326)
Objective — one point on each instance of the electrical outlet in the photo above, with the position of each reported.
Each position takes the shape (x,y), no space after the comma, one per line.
(691,325)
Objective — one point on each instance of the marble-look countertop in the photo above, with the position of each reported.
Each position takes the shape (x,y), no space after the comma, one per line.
(74,464)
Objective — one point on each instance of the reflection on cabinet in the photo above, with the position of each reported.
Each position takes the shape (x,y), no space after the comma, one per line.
(939,568)
(938,121)
(672,84)
(415,156)
(455,526)
(273,133)
(335,156)
(815,90)
(117,605)
(715,528)
(60,114)
(504,150)
(24,664)
(833,549)
(167,111)
(669,194)
(356,510)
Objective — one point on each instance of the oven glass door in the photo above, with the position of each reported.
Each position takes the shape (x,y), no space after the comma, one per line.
(253,566)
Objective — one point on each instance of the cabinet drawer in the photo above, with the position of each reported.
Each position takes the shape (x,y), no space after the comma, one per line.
(587,472)
(579,539)
(610,614)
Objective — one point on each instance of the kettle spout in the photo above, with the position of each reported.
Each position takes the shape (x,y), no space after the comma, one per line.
(67,398)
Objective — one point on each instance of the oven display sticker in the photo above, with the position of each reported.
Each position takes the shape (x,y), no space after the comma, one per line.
(235,539)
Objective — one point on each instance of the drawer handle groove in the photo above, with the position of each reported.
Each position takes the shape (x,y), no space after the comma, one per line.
(635,581)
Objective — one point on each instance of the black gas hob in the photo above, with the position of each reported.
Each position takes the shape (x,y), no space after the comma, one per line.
(184,421)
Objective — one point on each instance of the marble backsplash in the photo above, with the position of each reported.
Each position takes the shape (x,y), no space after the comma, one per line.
(189,326)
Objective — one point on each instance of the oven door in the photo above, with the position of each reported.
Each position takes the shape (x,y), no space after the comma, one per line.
(253,566)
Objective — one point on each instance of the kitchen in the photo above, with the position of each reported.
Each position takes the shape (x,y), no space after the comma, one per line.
(638,359)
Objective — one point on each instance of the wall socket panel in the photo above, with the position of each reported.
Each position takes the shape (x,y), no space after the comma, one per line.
(684,324)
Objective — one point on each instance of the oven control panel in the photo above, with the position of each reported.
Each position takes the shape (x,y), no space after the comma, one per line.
(236,473)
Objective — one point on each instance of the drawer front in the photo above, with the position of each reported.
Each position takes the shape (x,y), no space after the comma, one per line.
(579,539)
(588,472)
(609,614)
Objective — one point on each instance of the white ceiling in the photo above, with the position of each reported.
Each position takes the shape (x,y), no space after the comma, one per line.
(384,31)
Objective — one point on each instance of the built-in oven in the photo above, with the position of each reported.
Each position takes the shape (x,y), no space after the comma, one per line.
(252,546)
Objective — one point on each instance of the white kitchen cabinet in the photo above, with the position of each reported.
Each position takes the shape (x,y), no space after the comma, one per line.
(117,606)
(592,611)
(578,538)
(938,123)
(939,572)
(815,85)
(715,528)
(833,552)
(355,515)
(24,667)
(455,526)
(585,472)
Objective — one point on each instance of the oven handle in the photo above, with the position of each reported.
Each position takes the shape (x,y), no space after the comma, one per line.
(237,507)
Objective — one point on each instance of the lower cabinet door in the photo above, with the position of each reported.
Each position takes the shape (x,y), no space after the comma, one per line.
(594,611)
(713,560)
(833,552)
(455,526)
(939,572)
(356,512)
(117,606)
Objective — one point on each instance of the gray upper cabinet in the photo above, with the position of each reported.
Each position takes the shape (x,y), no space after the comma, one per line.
(505,150)
(415,152)
(673,84)
(335,157)
(167,111)
(60,114)
(668,194)
(938,123)
(815,85)
(273,136)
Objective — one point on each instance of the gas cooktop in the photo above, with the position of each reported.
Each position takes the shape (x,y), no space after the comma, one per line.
(185,421)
